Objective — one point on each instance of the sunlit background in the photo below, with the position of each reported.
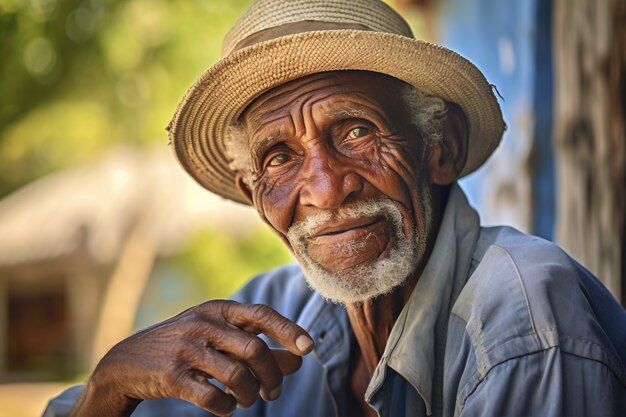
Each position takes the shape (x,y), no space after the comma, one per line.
(101,233)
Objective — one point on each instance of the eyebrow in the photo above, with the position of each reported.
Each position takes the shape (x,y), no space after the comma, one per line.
(359,111)
(265,142)
(346,112)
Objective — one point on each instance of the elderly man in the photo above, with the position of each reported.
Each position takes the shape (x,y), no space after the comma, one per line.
(348,136)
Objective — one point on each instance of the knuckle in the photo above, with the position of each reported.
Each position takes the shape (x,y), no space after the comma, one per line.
(215,400)
(242,385)
(236,375)
(255,349)
(210,399)
(174,376)
(190,322)
(283,327)
(261,312)
(188,329)
(224,307)
(192,317)
(213,307)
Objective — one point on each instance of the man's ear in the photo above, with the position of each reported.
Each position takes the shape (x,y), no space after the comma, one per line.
(243,187)
(447,158)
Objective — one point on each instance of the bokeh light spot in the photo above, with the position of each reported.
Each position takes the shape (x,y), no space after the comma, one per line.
(40,57)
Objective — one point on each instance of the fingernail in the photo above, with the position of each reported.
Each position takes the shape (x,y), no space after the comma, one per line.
(303,343)
(276,392)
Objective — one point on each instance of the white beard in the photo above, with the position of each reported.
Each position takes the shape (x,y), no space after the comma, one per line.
(363,282)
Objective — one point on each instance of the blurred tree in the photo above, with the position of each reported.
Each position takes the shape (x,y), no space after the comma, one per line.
(230,261)
(590,135)
(80,76)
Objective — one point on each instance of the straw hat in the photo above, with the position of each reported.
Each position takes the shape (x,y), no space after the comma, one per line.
(276,41)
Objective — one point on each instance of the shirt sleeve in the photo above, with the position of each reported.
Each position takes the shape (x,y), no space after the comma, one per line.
(549,383)
(61,406)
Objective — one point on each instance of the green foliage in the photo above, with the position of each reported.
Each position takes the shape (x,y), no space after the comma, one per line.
(80,76)
(223,263)
(212,265)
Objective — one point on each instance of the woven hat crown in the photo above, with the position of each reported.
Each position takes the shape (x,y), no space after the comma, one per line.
(267,14)
(277,41)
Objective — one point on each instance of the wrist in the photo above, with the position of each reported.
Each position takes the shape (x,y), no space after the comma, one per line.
(101,399)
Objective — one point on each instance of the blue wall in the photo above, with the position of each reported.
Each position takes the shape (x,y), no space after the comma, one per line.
(510,42)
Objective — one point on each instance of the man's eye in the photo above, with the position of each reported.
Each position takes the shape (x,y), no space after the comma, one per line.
(358,132)
(278,159)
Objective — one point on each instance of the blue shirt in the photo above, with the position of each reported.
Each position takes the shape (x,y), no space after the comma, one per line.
(499,324)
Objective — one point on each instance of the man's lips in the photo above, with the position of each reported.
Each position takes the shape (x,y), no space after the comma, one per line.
(360,240)
(345,226)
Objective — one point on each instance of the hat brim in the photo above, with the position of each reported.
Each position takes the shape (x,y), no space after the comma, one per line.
(222,93)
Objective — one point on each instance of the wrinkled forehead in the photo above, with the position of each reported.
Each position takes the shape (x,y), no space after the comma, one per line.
(364,84)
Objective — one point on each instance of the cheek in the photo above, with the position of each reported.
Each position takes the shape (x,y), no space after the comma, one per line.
(275,201)
(401,169)
(402,176)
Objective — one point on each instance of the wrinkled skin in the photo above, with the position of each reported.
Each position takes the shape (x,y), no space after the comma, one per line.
(317,143)
(173,359)
(333,142)
(332,139)
(328,140)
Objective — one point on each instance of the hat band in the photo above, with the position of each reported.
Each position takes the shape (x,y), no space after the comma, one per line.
(294,28)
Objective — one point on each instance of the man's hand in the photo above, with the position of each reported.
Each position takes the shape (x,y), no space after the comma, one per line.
(175,359)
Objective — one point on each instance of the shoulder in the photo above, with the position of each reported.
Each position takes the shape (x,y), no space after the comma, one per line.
(526,295)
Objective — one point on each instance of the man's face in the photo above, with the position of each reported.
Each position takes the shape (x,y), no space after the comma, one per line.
(339,175)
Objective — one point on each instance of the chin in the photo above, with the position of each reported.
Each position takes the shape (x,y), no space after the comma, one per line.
(367,281)
(338,281)
(359,284)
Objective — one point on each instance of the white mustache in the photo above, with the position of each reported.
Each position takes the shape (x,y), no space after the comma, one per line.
(366,281)
(306,228)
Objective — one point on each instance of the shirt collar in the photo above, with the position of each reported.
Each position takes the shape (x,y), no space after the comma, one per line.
(410,349)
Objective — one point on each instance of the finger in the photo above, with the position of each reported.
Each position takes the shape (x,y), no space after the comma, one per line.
(259,318)
(287,361)
(199,391)
(254,353)
(238,379)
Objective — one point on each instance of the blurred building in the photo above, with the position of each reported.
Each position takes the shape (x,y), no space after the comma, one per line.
(76,248)
(76,251)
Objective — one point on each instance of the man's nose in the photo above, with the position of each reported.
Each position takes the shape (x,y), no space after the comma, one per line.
(327,184)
